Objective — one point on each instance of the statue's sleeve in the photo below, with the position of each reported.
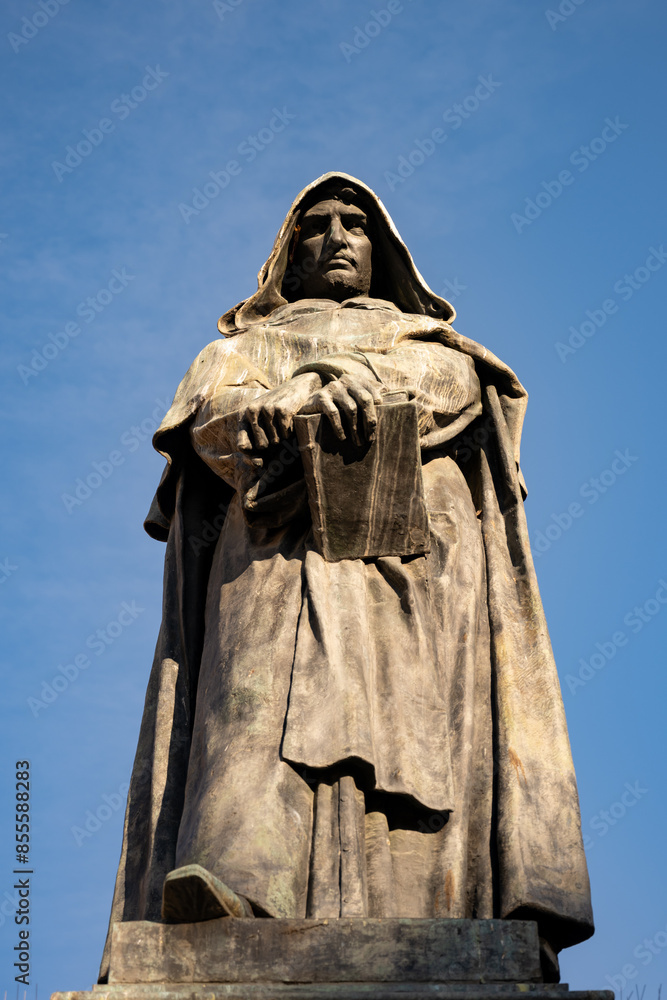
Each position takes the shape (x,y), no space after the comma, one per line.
(213,435)
(443,383)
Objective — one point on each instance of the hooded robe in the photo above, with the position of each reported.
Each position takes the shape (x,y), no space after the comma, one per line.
(379,737)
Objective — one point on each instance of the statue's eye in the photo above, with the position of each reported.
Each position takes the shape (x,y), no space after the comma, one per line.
(355,224)
(315,226)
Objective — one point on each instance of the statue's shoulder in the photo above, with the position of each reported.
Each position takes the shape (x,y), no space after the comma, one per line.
(219,348)
(217,354)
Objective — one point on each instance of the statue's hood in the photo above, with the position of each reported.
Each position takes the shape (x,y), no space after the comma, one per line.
(403,283)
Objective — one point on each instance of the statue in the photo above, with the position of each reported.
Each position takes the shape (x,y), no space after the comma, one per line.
(335,735)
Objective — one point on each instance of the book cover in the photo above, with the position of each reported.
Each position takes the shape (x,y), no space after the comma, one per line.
(366,501)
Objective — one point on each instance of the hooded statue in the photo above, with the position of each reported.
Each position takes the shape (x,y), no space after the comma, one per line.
(380,737)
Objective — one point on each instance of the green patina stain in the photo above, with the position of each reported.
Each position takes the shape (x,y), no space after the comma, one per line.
(242,704)
(280,897)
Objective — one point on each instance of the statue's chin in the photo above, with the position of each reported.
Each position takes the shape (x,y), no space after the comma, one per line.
(339,287)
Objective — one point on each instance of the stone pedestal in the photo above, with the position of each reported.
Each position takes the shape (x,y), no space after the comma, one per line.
(327,959)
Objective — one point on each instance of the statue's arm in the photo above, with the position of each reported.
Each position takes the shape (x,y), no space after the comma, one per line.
(236,427)
(269,417)
(348,402)
(214,432)
(442,382)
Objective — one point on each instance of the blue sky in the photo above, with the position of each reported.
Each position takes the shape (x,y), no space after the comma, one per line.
(110,287)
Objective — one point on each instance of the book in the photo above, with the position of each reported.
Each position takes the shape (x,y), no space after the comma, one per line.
(366,501)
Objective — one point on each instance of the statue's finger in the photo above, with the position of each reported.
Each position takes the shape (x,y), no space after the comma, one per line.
(267,416)
(363,385)
(366,404)
(284,419)
(261,440)
(323,403)
(243,442)
(347,406)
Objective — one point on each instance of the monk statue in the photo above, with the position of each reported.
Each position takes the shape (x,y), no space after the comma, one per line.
(354,709)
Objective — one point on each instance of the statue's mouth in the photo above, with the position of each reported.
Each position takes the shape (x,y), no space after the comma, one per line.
(339,260)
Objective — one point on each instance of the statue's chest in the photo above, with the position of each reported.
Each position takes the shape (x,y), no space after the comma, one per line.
(279,349)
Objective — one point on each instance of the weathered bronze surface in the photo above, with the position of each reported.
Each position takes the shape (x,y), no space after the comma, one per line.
(335,991)
(328,959)
(336,727)
(341,950)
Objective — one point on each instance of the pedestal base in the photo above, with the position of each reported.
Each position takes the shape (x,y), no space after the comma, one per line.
(327,959)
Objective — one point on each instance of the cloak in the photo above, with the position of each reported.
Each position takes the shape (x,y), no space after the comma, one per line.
(372,737)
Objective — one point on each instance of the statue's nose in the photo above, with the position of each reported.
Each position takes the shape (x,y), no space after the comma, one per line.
(336,234)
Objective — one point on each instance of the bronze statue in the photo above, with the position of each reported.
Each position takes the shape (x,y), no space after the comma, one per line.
(340,735)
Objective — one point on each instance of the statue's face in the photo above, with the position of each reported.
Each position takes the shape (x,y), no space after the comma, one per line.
(333,255)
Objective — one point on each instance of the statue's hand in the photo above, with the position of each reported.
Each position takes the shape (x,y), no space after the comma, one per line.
(270,417)
(351,398)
